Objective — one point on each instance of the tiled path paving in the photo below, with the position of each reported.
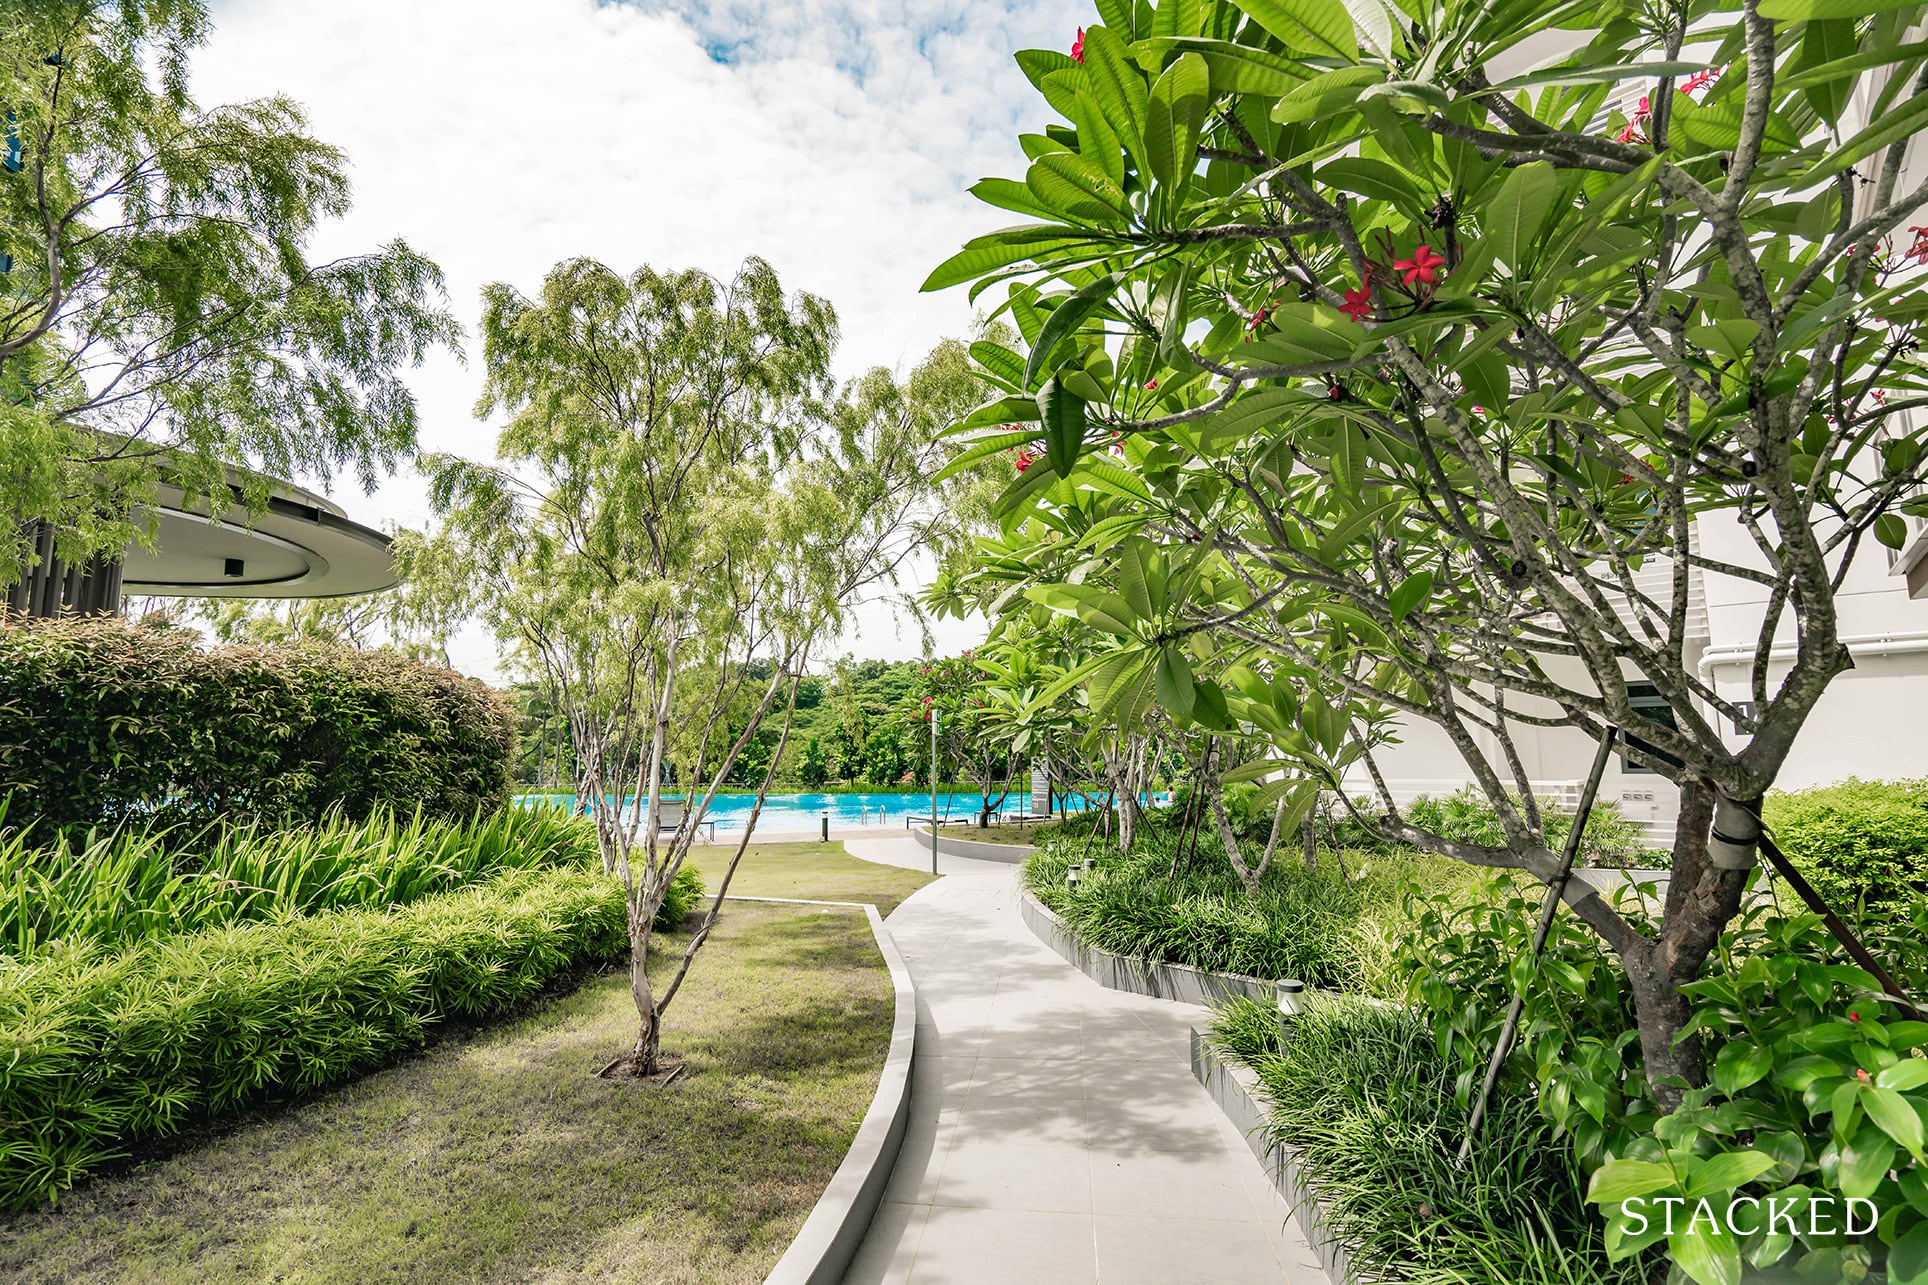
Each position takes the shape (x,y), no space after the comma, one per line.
(1056,1132)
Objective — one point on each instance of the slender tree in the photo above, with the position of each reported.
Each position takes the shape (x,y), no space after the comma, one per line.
(682,514)
(160,317)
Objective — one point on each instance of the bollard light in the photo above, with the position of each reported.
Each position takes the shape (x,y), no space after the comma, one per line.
(1291,993)
(826,827)
(1071,879)
(1090,864)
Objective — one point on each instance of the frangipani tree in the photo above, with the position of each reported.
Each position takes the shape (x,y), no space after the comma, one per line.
(679,518)
(1379,312)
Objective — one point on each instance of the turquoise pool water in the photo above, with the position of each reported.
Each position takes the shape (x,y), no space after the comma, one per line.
(803,813)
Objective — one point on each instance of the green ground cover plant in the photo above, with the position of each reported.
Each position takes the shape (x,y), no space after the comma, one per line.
(110,1047)
(103,721)
(496,1156)
(1332,927)
(1363,1094)
(113,886)
(1856,840)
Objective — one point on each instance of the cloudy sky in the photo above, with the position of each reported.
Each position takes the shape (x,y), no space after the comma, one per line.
(833,137)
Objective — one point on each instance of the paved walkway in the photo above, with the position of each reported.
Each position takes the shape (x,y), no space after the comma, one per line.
(1056,1133)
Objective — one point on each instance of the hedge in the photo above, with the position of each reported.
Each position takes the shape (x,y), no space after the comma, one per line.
(103,719)
(1856,839)
(100,1049)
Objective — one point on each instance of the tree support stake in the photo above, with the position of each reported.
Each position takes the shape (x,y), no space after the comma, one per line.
(1555,890)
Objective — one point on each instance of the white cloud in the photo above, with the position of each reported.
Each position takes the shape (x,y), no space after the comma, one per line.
(500,136)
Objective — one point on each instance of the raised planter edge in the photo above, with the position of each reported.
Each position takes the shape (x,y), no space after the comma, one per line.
(824,1247)
(1232,1088)
(1008,853)
(1179,982)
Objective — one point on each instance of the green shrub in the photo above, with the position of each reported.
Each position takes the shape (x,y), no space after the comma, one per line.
(102,720)
(145,880)
(1856,839)
(1362,1093)
(109,1047)
(1327,927)
(685,890)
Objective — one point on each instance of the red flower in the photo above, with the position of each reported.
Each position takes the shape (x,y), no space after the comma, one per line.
(1423,267)
(1699,81)
(1853,1016)
(1860,1074)
(1919,250)
(1026,458)
(1151,385)
(1077,46)
(1643,112)
(1259,318)
(1628,133)
(1358,304)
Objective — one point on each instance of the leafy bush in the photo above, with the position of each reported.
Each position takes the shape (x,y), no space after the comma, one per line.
(1465,816)
(685,890)
(1327,927)
(1362,1093)
(1817,1090)
(108,1047)
(143,881)
(102,720)
(1856,839)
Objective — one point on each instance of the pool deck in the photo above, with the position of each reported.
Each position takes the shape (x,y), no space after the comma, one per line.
(1056,1133)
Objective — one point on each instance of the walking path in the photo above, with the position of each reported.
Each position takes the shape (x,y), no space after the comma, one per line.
(1056,1133)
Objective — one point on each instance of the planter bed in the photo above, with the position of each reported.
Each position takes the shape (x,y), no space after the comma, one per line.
(1141,977)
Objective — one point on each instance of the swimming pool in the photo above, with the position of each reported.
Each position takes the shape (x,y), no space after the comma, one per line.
(803,813)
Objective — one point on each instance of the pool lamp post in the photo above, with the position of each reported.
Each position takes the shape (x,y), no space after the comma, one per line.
(934,789)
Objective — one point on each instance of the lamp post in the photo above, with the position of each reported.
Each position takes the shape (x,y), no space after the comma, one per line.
(934,717)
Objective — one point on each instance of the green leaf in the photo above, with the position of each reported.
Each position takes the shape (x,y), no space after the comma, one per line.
(979,451)
(996,250)
(1891,530)
(1708,1254)
(1619,1180)
(999,362)
(1062,320)
(1893,1115)
(1173,683)
(1119,87)
(1824,43)
(1908,1260)
(1909,1073)
(1321,28)
(1063,416)
(1235,68)
(1740,1064)
(1591,75)
(1179,102)
(1810,10)
(1412,591)
(1069,183)
(1099,608)
(1518,209)
(1723,1172)
(1865,1161)
(1903,122)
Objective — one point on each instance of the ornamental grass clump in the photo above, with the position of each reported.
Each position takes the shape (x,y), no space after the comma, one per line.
(1363,1097)
(115,886)
(107,1048)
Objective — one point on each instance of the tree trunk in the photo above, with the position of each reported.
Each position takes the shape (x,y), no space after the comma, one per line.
(1701,899)
(1309,838)
(646,1057)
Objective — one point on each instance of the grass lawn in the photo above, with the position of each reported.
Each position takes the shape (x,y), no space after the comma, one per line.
(817,871)
(498,1156)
